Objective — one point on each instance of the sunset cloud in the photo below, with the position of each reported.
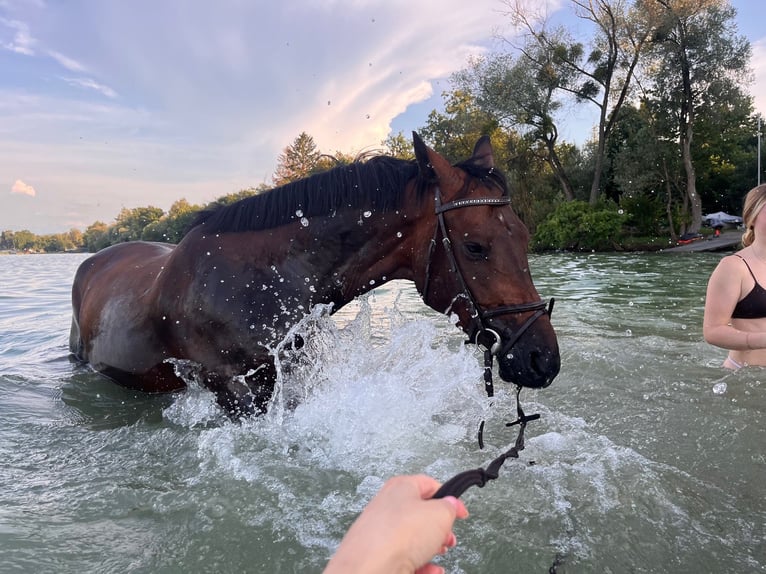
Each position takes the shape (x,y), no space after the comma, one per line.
(22,188)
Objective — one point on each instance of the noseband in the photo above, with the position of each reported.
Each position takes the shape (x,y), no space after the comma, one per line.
(480,332)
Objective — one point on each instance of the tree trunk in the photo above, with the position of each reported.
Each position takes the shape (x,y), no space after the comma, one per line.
(691,182)
(595,186)
(558,169)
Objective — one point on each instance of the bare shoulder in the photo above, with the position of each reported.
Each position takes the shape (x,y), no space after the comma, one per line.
(732,262)
(729,268)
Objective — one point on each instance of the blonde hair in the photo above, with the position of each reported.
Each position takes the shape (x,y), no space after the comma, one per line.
(754,201)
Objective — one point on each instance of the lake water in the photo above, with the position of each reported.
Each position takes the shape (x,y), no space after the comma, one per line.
(648,456)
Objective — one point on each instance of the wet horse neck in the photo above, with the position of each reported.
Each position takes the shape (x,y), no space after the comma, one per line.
(325,259)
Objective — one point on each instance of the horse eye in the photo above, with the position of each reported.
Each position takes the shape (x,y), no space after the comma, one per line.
(475,250)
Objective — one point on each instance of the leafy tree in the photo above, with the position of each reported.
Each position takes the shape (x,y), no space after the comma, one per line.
(298,160)
(579,226)
(697,58)
(130,223)
(6,239)
(96,236)
(74,239)
(399,145)
(23,240)
(601,74)
(454,132)
(233,197)
(172,226)
(521,95)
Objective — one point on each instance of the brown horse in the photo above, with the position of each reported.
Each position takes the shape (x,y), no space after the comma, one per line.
(245,273)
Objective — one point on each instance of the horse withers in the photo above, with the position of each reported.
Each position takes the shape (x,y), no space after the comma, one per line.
(245,273)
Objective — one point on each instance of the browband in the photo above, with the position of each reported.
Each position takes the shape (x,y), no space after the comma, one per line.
(458,203)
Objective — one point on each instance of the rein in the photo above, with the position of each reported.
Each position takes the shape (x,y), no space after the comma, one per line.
(480,330)
(461,482)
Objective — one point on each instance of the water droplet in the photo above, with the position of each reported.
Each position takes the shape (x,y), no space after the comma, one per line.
(398,233)
(630,303)
(304,222)
(299,213)
(312,289)
(628,333)
(372,281)
(620,211)
(719,388)
(367,213)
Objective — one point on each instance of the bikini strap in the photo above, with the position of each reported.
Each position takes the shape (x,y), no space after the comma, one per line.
(748,267)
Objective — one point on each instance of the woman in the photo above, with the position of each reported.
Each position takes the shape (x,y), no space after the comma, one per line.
(735,305)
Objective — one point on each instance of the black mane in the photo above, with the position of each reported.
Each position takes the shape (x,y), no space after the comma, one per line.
(377,184)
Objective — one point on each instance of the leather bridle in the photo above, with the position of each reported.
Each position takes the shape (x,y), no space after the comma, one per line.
(479,331)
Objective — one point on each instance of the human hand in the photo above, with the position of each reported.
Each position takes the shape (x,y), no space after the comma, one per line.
(400,530)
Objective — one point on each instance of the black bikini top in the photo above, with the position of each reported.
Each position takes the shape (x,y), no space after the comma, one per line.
(752,305)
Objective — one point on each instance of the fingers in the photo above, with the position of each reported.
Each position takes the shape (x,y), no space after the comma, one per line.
(460,510)
(430,569)
(426,485)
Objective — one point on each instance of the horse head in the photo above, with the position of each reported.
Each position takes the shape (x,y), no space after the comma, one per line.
(476,265)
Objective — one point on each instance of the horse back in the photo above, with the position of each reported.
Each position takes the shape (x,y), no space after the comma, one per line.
(112,299)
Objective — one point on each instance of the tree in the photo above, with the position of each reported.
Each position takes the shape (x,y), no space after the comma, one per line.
(298,160)
(130,223)
(697,58)
(399,146)
(96,236)
(454,132)
(520,95)
(602,75)
(24,239)
(172,226)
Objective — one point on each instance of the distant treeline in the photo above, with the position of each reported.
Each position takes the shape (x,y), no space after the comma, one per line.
(140,223)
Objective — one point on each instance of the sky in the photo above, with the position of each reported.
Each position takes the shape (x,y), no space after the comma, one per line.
(110,105)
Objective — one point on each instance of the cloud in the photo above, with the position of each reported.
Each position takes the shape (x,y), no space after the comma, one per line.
(176,99)
(91,84)
(66,62)
(22,188)
(22,41)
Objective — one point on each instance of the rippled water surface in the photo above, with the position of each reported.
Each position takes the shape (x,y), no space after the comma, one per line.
(648,456)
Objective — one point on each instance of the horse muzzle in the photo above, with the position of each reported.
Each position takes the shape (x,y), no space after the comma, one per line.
(527,353)
(528,364)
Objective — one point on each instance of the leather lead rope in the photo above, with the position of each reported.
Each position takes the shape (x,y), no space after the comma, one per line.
(461,482)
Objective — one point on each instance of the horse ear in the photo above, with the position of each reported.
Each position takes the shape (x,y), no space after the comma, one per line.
(483,154)
(421,152)
(430,162)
